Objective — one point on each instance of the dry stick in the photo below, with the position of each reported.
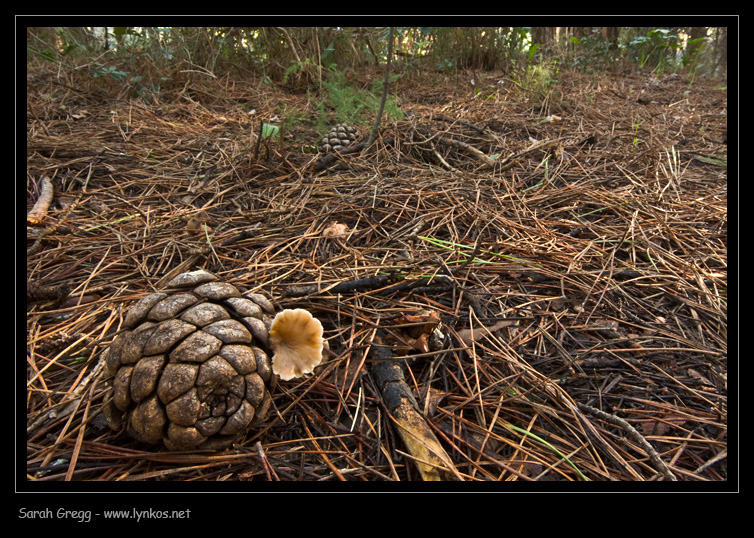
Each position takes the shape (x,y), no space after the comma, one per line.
(587,427)
(321,452)
(385,85)
(268,469)
(80,437)
(259,141)
(368,283)
(41,123)
(332,157)
(52,228)
(721,456)
(471,149)
(431,460)
(372,282)
(510,161)
(445,163)
(42,204)
(654,457)
(476,128)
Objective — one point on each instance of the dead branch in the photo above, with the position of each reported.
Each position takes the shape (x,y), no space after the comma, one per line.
(431,459)
(657,461)
(42,204)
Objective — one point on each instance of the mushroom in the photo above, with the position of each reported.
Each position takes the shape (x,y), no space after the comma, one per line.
(296,339)
(335,229)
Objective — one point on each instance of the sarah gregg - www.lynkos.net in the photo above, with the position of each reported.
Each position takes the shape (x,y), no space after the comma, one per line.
(85,516)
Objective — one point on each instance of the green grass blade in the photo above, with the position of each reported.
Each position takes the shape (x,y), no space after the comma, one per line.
(548,445)
(450,245)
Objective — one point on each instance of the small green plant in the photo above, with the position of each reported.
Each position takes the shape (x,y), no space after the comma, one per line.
(592,53)
(692,60)
(269,130)
(635,144)
(351,104)
(300,69)
(539,78)
(110,71)
(655,47)
(533,51)
(543,442)
(134,84)
(445,65)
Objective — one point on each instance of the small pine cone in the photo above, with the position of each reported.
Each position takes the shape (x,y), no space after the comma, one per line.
(339,137)
(192,369)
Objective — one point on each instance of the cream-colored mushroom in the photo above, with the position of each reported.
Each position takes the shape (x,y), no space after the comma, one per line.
(296,339)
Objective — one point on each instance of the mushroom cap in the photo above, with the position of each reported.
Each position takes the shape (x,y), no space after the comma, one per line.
(296,339)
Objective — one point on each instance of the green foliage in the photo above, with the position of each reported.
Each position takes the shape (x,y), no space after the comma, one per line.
(691,56)
(657,48)
(269,130)
(134,84)
(693,48)
(55,44)
(293,118)
(327,58)
(300,56)
(532,51)
(343,102)
(591,53)
(539,78)
(296,68)
(487,48)
(109,71)
(445,65)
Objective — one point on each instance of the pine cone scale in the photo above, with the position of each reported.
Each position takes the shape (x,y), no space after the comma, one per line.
(241,358)
(176,379)
(171,307)
(229,331)
(132,345)
(184,410)
(255,389)
(204,314)
(239,420)
(164,336)
(148,420)
(144,376)
(339,137)
(197,347)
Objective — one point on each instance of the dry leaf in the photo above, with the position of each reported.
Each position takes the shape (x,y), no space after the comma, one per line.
(196,226)
(696,375)
(468,336)
(415,331)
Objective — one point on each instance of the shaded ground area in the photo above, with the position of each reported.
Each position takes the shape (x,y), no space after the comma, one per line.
(572,241)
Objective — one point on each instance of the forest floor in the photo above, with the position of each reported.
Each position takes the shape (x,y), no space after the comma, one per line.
(572,241)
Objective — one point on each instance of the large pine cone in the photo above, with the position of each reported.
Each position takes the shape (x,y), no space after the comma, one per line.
(338,137)
(192,369)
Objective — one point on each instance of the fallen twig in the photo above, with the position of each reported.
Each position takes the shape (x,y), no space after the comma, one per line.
(42,204)
(654,457)
(431,460)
